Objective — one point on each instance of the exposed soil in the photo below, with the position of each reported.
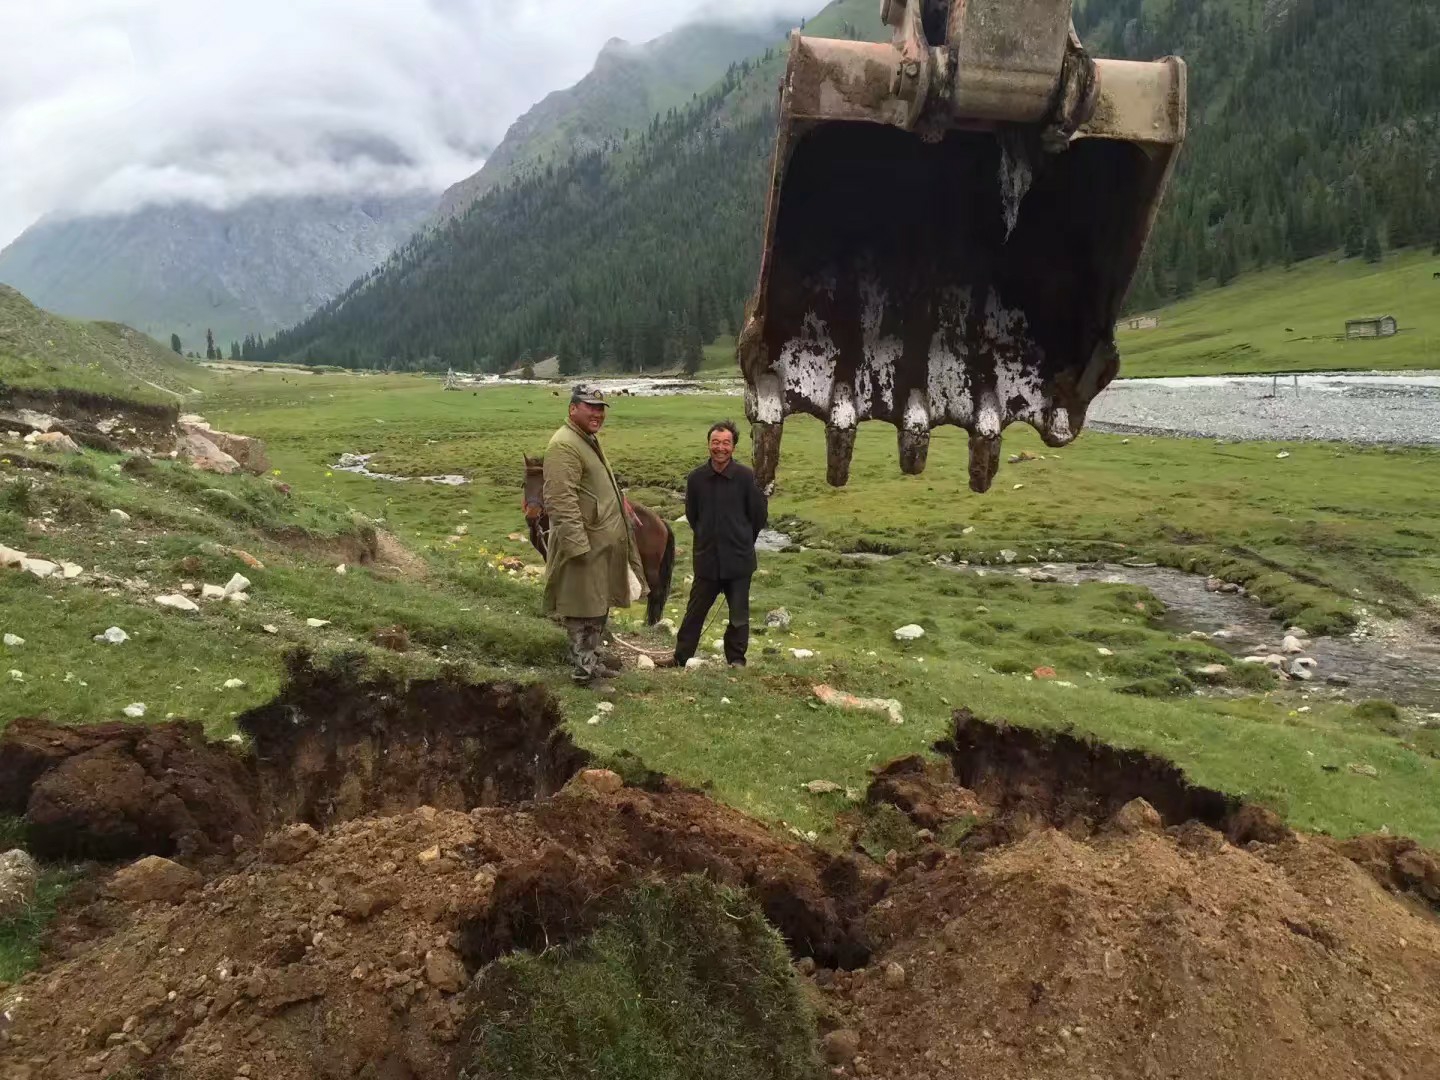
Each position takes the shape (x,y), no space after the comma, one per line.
(84,409)
(1074,932)
(114,791)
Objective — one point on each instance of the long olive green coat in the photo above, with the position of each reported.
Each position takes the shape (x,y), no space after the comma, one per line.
(591,546)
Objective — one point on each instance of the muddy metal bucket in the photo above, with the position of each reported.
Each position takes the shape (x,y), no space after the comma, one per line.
(953,223)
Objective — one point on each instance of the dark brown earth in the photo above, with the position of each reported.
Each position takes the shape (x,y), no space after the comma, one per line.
(1102,918)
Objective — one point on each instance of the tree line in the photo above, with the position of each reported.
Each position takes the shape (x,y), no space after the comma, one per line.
(1315,128)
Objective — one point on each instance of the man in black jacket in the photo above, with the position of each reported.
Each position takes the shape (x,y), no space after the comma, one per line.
(726,510)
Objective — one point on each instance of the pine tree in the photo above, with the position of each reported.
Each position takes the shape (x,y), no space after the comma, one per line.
(234,350)
(692,352)
(175,344)
(210,346)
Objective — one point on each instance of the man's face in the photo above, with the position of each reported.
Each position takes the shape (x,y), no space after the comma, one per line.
(589,418)
(722,448)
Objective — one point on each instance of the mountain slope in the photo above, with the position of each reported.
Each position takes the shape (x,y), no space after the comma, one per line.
(1314,126)
(41,351)
(629,85)
(184,268)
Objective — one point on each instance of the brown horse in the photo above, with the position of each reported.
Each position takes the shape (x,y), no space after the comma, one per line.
(654,539)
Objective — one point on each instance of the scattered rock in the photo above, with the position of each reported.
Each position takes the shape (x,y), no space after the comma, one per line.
(822,787)
(1364,770)
(1213,584)
(212,592)
(1043,577)
(70,571)
(840,1047)
(841,700)
(695,663)
(12,641)
(41,568)
(1282,455)
(1104,651)
(121,516)
(602,781)
(1046,673)
(135,710)
(177,602)
(1291,646)
(1137,816)
(237,584)
(316,624)
(893,975)
(668,625)
(802,654)
(911,632)
(292,843)
(10,557)
(429,856)
(645,663)
(248,453)
(779,619)
(54,442)
(153,879)
(269,628)
(1338,680)
(340,569)
(18,878)
(1008,555)
(445,971)
(234,684)
(1213,671)
(203,454)
(16,676)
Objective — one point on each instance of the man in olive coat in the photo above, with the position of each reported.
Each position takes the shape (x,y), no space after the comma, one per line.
(591,564)
(726,510)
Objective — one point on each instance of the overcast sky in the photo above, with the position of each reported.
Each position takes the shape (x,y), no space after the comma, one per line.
(105,104)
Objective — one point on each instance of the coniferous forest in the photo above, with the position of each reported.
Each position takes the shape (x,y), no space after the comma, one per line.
(1315,128)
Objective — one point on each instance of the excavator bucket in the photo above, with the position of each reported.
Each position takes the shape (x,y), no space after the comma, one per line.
(953,223)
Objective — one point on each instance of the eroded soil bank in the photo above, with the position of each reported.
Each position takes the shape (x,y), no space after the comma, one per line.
(1093,914)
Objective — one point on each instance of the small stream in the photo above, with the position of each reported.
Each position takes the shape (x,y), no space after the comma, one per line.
(1403,669)
(359,464)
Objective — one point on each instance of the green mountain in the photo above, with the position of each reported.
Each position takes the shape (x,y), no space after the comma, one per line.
(46,352)
(1313,127)
(629,85)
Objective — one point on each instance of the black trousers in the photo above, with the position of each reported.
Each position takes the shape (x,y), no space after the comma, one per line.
(703,594)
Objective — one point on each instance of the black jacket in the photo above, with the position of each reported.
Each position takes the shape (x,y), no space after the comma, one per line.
(726,511)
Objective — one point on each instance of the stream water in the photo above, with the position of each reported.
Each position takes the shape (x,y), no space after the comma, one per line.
(1403,668)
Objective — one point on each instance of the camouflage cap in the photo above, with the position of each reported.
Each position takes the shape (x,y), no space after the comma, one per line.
(588,395)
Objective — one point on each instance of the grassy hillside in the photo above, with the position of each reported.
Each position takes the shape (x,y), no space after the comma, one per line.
(1294,320)
(45,351)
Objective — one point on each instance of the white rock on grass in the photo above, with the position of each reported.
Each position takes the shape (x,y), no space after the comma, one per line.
(1105,652)
(70,571)
(695,663)
(17,676)
(10,557)
(340,569)
(13,642)
(779,619)
(912,632)
(1009,556)
(237,584)
(41,568)
(316,624)
(802,654)
(135,710)
(19,877)
(176,602)
(234,684)
(270,629)
(113,636)
(644,663)
(120,516)
(212,592)
(237,598)
(668,625)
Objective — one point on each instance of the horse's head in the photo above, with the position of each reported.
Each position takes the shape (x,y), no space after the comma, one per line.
(533,500)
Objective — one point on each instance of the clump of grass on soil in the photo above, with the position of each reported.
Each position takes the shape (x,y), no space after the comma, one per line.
(684,980)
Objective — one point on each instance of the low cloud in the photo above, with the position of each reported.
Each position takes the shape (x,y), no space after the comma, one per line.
(106,105)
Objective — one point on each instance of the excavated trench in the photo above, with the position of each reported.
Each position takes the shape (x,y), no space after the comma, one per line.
(336,745)
(436,839)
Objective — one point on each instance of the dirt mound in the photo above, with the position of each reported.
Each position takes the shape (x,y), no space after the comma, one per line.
(347,961)
(115,791)
(1078,930)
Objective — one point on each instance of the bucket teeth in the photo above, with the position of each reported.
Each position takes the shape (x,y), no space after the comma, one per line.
(914,450)
(766,454)
(839,449)
(984,461)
